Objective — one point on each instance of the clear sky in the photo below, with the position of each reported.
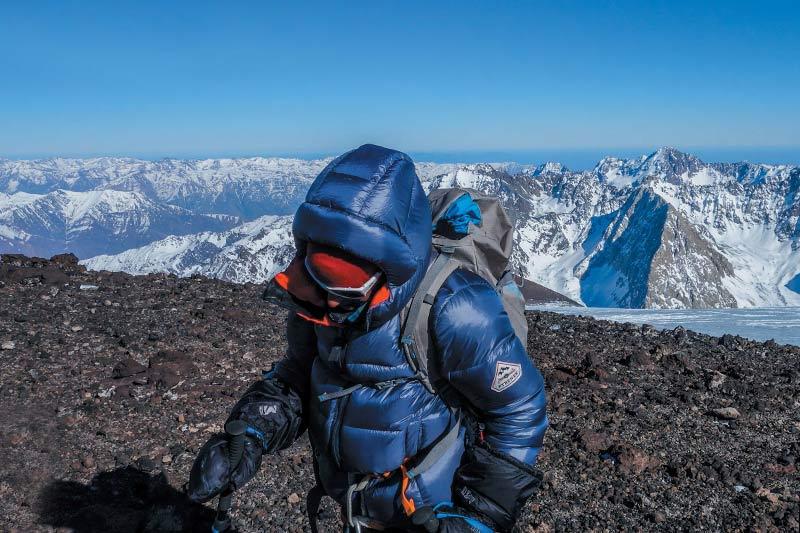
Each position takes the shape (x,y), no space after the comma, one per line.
(448,79)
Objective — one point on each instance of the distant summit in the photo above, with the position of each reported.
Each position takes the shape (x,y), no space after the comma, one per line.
(665,164)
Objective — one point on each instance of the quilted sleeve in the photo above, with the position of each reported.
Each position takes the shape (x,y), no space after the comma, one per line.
(482,358)
(295,368)
(486,363)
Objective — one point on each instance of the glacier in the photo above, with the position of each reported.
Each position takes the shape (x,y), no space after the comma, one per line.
(781,324)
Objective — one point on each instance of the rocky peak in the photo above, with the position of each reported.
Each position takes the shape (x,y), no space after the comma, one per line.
(551,167)
(652,256)
(674,166)
(666,164)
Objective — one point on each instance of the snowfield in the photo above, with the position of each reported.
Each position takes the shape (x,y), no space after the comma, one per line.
(781,324)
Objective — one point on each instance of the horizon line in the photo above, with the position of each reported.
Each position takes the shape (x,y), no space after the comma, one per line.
(470,155)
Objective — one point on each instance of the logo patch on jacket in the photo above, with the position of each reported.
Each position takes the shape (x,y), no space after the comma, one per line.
(505,375)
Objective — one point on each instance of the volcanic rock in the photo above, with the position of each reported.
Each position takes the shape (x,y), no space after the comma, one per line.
(726,413)
(593,441)
(633,460)
(628,449)
(128,367)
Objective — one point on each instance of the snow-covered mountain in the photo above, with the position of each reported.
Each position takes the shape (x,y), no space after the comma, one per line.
(109,205)
(662,230)
(246,188)
(252,252)
(93,222)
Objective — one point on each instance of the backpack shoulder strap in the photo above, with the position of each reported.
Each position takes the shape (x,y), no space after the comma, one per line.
(414,336)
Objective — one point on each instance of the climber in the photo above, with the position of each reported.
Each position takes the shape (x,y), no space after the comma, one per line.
(401,440)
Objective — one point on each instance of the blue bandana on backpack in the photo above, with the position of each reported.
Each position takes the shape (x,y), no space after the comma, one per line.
(458,216)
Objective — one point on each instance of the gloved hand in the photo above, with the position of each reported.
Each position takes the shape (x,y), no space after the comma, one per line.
(272,412)
(211,471)
(445,518)
(494,485)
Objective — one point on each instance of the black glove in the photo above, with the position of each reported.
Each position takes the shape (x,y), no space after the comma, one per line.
(273,413)
(211,471)
(494,486)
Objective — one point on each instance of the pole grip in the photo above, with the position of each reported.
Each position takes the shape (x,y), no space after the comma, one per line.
(235,430)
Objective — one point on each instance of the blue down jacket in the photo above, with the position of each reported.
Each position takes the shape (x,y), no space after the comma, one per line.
(370,202)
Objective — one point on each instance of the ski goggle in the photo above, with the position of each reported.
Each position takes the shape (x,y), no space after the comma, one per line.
(348,294)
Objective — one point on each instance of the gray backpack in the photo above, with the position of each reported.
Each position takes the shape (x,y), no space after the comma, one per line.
(485,250)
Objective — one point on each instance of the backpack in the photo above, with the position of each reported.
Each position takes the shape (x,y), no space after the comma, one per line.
(484,249)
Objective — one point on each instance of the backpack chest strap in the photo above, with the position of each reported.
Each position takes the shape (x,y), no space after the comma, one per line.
(414,335)
(378,385)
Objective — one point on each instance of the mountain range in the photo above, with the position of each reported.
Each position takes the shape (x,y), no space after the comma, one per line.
(92,222)
(665,230)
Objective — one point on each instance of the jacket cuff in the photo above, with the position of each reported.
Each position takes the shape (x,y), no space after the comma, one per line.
(273,413)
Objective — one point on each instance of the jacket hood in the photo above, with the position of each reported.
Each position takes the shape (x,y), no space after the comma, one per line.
(370,203)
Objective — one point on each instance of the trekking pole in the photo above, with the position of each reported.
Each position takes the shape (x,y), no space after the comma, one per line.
(235,430)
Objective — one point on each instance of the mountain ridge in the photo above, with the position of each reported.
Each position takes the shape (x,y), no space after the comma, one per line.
(730,235)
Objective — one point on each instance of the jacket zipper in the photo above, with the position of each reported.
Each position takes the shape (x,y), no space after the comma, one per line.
(339,407)
(336,431)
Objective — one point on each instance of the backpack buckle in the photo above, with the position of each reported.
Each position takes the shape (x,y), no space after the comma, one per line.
(407,344)
(380,385)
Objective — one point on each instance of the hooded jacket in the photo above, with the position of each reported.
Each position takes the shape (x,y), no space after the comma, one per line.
(370,203)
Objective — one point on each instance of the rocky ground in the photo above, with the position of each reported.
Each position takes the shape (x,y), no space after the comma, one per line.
(110,383)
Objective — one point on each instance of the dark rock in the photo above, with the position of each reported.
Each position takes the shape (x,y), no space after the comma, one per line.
(145,464)
(591,360)
(678,361)
(127,367)
(729,341)
(680,334)
(560,376)
(726,413)
(26,275)
(67,262)
(639,358)
(593,441)
(164,377)
(633,461)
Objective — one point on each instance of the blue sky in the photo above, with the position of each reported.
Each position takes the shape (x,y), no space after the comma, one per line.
(448,79)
